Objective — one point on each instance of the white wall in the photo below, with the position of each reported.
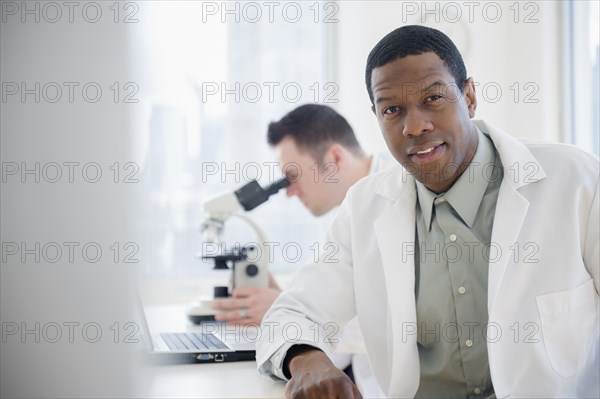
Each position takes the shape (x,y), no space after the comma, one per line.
(496,54)
(59,302)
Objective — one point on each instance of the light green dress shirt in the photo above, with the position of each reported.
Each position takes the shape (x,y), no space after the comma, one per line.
(451,268)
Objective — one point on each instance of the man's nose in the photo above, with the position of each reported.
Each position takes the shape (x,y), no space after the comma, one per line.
(416,123)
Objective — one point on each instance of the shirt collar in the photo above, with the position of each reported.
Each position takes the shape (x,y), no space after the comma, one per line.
(466,193)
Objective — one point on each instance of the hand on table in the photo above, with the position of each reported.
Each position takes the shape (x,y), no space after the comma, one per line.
(247,305)
(315,376)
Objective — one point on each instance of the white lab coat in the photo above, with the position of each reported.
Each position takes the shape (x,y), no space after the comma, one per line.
(350,346)
(543,281)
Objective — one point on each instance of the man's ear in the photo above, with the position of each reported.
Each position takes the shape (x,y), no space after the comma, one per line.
(470,97)
(335,154)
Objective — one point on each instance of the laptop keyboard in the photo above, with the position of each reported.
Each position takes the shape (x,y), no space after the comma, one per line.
(193,341)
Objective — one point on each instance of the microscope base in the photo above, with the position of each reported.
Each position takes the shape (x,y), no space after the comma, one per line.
(200,311)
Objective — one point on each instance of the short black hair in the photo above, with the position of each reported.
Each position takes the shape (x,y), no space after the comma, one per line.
(314,127)
(416,40)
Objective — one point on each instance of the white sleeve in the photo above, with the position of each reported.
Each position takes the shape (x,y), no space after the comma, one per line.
(317,304)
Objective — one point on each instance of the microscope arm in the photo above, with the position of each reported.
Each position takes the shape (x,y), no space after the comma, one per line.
(260,234)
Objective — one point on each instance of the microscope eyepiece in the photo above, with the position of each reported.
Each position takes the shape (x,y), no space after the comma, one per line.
(277,185)
(252,194)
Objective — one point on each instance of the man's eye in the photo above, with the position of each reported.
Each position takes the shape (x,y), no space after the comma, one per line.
(434,98)
(390,110)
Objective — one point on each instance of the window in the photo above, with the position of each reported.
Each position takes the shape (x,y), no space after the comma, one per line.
(582,71)
(212,78)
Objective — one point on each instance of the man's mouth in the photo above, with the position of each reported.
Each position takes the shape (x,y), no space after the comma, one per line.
(427,153)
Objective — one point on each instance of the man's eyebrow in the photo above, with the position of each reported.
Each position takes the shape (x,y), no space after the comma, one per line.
(435,85)
(383,99)
(429,87)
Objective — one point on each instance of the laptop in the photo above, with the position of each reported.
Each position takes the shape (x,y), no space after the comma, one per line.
(170,338)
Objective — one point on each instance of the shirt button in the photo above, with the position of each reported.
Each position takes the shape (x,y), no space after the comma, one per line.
(461,290)
(452,237)
(439,200)
(469,343)
(476,391)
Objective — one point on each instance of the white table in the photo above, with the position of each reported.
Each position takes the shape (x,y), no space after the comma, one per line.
(216,380)
(167,302)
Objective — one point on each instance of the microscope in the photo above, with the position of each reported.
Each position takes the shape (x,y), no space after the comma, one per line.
(249,265)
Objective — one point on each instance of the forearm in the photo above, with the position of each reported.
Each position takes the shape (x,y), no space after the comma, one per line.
(296,358)
(312,374)
(284,329)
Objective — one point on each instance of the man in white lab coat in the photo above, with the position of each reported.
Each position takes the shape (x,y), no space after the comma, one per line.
(320,155)
(475,274)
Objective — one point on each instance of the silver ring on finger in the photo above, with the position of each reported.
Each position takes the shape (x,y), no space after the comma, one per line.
(243,313)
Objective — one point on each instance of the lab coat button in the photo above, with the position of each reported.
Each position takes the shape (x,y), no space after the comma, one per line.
(462,290)
(469,343)
(452,237)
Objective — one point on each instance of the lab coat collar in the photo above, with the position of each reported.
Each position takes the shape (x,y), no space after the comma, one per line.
(519,164)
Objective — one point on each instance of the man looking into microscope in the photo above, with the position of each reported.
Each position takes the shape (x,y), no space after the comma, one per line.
(311,136)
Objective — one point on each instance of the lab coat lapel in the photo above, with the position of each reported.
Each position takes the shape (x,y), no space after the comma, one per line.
(395,233)
(511,209)
(520,169)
